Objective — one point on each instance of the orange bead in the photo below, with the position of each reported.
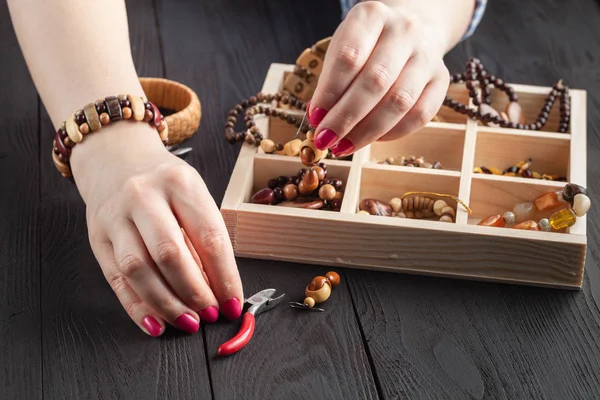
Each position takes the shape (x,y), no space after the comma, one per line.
(528,225)
(494,220)
(104,118)
(547,201)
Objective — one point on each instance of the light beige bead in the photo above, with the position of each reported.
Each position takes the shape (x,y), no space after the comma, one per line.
(92,117)
(363,212)
(581,204)
(401,215)
(448,210)
(446,218)
(292,148)
(396,204)
(310,135)
(137,107)
(73,130)
(438,206)
(267,145)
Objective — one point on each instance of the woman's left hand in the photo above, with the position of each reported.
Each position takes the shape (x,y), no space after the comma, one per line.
(384,77)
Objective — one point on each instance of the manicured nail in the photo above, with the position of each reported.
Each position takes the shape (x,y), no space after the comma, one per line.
(342,148)
(152,326)
(209,314)
(231,309)
(316,116)
(187,323)
(324,139)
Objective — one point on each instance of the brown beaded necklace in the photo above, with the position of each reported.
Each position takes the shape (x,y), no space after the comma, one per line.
(475,75)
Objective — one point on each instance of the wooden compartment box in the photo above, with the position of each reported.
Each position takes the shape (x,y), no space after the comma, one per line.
(461,249)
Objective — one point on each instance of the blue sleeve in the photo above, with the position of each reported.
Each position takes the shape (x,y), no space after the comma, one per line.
(480,6)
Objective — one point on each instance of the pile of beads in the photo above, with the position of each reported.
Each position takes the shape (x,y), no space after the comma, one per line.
(412,207)
(310,188)
(266,104)
(572,197)
(476,77)
(412,161)
(96,115)
(521,169)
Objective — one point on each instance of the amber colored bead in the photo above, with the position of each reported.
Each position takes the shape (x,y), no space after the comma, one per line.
(493,220)
(104,118)
(309,183)
(528,226)
(162,126)
(563,219)
(547,201)
(320,172)
(307,156)
(148,116)
(127,113)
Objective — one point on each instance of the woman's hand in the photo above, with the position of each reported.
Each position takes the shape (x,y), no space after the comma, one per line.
(384,77)
(155,230)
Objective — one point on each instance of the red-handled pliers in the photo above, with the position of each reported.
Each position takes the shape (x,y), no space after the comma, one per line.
(261,301)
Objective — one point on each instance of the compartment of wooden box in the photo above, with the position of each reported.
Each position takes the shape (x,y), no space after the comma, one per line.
(462,249)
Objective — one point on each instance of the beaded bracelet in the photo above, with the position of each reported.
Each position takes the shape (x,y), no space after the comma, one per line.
(94,116)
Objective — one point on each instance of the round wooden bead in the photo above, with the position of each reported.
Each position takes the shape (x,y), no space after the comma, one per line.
(309,302)
(327,192)
(148,116)
(127,113)
(320,172)
(396,204)
(267,145)
(438,206)
(60,166)
(84,128)
(137,107)
(164,133)
(104,118)
(73,130)
(333,277)
(92,117)
(290,192)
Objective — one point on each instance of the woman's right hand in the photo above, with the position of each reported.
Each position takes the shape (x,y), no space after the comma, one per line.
(155,230)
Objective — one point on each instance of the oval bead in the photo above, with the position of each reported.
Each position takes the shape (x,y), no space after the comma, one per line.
(73,130)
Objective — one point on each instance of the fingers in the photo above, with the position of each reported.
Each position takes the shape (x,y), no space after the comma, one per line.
(206,229)
(394,105)
(166,245)
(146,318)
(137,268)
(349,50)
(425,109)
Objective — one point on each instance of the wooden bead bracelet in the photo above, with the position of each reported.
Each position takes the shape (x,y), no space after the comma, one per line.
(94,116)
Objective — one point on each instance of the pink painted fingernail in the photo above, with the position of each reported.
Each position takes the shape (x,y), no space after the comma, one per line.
(316,116)
(187,323)
(231,309)
(152,326)
(342,148)
(209,314)
(308,110)
(324,139)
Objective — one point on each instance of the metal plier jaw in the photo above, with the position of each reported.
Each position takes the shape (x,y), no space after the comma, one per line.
(260,302)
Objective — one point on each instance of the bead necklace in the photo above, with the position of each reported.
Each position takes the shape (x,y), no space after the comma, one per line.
(476,76)
(572,197)
(259,104)
(521,169)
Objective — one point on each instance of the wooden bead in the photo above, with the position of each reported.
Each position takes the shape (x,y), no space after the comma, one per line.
(92,117)
(104,118)
(320,172)
(438,206)
(290,192)
(62,149)
(396,204)
(446,218)
(327,192)
(292,148)
(309,182)
(73,130)
(84,128)
(309,302)
(137,107)
(267,145)
(448,210)
(320,294)
(148,116)
(164,133)
(68,142)
(60,166)
(127,113)
(307,157)
(333,277)
(113,106)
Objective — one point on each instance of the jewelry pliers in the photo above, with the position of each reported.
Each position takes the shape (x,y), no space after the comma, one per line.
(261,301)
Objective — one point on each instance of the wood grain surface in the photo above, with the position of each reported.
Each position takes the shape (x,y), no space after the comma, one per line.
(64,335)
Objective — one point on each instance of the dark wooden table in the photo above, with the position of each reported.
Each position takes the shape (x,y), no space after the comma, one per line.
(64,335)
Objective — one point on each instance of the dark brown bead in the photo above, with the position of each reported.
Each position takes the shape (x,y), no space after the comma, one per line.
(80,117)
(285,99)
(260,96)
(149,116)
(538,125)
(100,107)
(248,118)
(244,103)
(250,139)
(254,130)
(63,158)
(238,136)
(125,103)
(229,137)
(264,196)
(277,97)
(513,97)
(148,106)
(571,190)
(527,173)
(231,119)
(232,113)
(279,146)
(113,107)
(521,126)
(250,124)
(252,100)
(239,109)
(258,135)
(272,183)
(268,112)
(269,98)
(227,125)
(278,192)
(257,142)
(290,119)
